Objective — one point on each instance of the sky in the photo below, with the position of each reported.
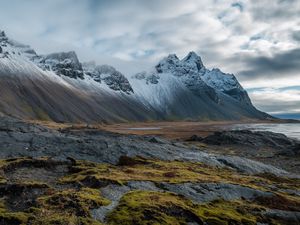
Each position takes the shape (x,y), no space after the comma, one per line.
(258,40)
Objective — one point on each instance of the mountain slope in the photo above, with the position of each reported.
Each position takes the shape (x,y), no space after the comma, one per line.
(58,87)
(28,91)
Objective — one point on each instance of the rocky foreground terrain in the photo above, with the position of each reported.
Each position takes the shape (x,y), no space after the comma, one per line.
(267,147)
(82,175)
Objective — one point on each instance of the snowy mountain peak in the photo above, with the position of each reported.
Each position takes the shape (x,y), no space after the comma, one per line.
(71,55)
(191,72)
(114,79)
(226,83)
(195,60)
(172,57)
(167,63)
(13,49)
(62,63)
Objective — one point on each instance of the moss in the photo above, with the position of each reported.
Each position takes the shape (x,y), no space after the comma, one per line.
(140,207)
(7,217)
(77,202)
(147,170)
(282,182)
(98,175)
(66,207)
(58,208)
(228,212)
(2,180)
(42,162)
(279,202)
(147,207)
(47,218)
(70,200)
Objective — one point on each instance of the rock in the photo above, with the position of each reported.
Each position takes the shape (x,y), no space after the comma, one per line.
(244,165)
(287,216)
(157,140)
(63,63)
(114,79)
(194,60)
(152,78)
(206,192)
(195,138)
(128,161)
(255,139)
(115,192)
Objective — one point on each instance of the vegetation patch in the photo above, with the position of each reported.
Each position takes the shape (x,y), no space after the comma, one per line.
(140,169)
(30,196)
(77,202)
(44,191)
(57,207)
(147,170)
(279,202)
(142,207)
(8,217)
(67,207)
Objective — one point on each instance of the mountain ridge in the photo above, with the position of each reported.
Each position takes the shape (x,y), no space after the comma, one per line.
(59,87)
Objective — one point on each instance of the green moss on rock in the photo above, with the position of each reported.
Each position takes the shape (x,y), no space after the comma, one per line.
(147,207)
(77,202)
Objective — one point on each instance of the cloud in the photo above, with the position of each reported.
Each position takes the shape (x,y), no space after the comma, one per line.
(277,101)
(296,35)
(284,63)
(238,5)
(274,11)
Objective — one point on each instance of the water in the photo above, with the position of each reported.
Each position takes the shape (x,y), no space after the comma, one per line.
(291,130)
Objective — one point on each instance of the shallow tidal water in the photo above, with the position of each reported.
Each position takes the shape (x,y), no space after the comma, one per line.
(291,130)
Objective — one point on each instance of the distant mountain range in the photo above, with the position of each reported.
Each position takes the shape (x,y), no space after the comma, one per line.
(59,87)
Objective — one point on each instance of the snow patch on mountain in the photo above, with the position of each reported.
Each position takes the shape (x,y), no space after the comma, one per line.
(220,81)
(157,94)
(13,49)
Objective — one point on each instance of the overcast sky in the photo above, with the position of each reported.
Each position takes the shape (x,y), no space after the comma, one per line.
(258,40)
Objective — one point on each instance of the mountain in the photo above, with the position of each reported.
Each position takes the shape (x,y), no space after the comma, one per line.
(59,87)
(186,89)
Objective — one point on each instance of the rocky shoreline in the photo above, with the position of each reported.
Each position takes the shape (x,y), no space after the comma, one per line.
(90,176)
